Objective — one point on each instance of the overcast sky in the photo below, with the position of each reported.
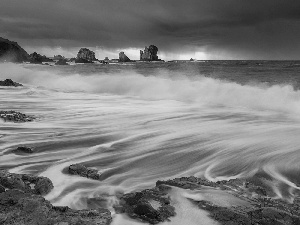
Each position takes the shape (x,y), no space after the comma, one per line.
(181,29)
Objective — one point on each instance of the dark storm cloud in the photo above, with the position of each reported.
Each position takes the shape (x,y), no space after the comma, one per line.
(237,28)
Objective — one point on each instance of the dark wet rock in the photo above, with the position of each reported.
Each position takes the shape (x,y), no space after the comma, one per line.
(81,170)
(9,82)
(26,183)
(123,57)
(11,52)
(36,58)
(151,205)
(85,56)
(261,209)
(23,149)
(17,117)
(62,62)
(17,207)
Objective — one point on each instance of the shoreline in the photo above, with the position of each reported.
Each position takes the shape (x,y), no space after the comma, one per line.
(240,201)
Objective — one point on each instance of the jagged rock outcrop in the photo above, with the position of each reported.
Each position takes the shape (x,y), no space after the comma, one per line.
(58,57)
(16,117)
(259,207)
(62,62)
(9,83)
(83,171)
(123,57)
(150,205)
(36,58)
(11,52)
(149,54)
(26,183)
(21,203)
(85,56)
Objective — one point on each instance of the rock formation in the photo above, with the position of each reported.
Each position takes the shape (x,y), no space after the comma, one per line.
(26,183)
(149,54)
(23,149)
(58,57)
(151,205)
(81,170)
(11,52)
(16,117)
(21,203)
(123,57)
(62,62)
(9,82)
(36,58)
(85,56)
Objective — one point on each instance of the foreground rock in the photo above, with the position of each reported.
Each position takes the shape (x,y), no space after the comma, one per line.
(81,170)
(18,208)
(26,183)
(16,117)
(21,203)
(9,83)
(261,208)
(151,205)
(11,52)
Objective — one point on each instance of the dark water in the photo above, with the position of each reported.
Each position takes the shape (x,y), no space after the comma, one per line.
(140,122)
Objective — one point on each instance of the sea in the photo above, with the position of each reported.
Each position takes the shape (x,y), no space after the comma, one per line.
(140,122)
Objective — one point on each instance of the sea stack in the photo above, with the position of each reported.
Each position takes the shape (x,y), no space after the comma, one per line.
(85,56)
(149,54)
(123,57)
(11,52)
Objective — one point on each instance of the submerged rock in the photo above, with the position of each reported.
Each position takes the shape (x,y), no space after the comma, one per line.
(23,149)
(16,117)
(151,205)
(9,82)
(81,170)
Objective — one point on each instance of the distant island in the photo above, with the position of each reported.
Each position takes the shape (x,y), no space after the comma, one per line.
(12,52)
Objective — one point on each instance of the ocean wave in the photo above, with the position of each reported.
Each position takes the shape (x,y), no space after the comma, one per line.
(199,90)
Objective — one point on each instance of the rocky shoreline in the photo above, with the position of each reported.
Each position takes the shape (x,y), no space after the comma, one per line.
(21,202)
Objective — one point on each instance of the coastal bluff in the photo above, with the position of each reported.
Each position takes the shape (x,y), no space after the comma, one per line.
(12,52)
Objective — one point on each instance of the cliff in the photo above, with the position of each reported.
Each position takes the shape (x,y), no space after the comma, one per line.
(11,52)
